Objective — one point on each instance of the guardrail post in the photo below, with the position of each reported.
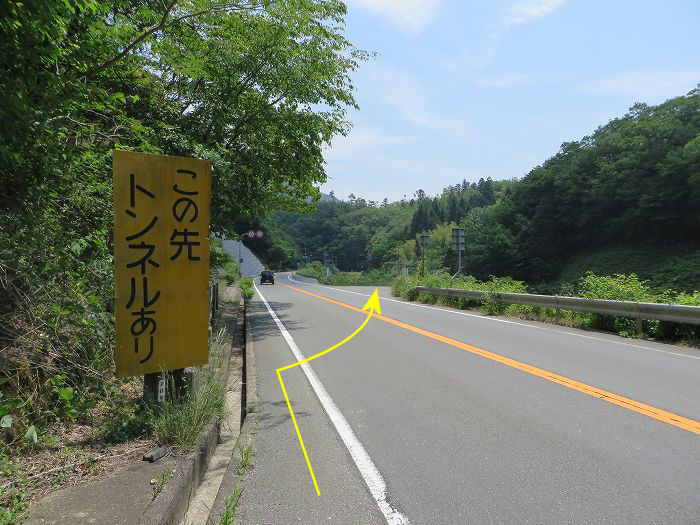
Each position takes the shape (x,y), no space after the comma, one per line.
(640,328)
(556,306)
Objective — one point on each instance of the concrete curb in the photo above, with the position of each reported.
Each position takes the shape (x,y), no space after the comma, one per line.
(251,384)
(230,480)
(171,505)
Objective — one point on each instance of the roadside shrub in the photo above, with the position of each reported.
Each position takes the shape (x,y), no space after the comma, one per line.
(405,286)
(56,329)
(230,272)
(315,270)
(502,285)
(370,278)
(438,279)
(617,287)
(246,285)
(221,260)
(682,332)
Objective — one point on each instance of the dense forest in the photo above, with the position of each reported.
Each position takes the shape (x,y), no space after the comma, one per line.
(634,184)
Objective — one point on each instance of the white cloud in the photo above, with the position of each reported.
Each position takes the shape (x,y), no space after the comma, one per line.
(406,94)
(409,14)
(645,86)
(516,14)
(360,141)
(432,121)
(527,11)
(517,79)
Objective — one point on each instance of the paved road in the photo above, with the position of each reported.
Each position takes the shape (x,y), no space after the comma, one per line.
(460,438)
(251,265)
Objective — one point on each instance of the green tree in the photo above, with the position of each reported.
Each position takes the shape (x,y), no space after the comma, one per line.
(259,87)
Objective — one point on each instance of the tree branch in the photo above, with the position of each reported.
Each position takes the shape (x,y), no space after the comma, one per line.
(94,71)
(162,25)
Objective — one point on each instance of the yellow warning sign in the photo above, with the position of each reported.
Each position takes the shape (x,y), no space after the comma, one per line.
(161,262)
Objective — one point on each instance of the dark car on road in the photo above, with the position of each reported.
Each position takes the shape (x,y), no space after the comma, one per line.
(267,276)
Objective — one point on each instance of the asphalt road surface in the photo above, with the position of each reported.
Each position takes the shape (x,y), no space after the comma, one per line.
(452,436)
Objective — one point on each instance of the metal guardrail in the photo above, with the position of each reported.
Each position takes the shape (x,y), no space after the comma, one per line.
(675,313)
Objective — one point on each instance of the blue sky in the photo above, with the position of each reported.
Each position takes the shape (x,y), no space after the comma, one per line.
(467,89)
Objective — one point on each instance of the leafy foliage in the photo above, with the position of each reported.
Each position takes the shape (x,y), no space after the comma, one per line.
(258,87)
(616,287)
(246,285)
(661,266)
(358,236)
(221,259)
(275,247)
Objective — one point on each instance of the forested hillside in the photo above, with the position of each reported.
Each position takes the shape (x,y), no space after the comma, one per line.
(633,183)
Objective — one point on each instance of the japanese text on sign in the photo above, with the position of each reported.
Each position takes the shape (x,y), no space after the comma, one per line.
(161,262)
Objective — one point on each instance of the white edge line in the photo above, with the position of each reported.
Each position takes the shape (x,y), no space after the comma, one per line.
(373,478)
(457,312)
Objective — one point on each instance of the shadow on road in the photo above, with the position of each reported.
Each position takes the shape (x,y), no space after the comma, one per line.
(268,420)
(263,324)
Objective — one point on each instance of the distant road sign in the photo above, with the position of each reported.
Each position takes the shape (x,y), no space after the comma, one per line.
(259,234)
(458,239)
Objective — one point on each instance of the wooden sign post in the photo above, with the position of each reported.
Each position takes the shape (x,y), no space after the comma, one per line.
(161,262)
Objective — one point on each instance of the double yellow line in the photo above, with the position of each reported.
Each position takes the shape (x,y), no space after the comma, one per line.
(650,411)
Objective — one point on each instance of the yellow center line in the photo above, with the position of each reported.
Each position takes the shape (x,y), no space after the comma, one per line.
(656,413)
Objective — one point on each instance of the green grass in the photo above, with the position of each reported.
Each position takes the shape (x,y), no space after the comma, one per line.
(229,514)
(246,285)
(14,507)
(246,455)
(229,271)
(371,278)
(180,421)
(160,481)
(675,268)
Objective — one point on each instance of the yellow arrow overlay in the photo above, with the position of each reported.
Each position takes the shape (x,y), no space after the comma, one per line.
(372,305)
